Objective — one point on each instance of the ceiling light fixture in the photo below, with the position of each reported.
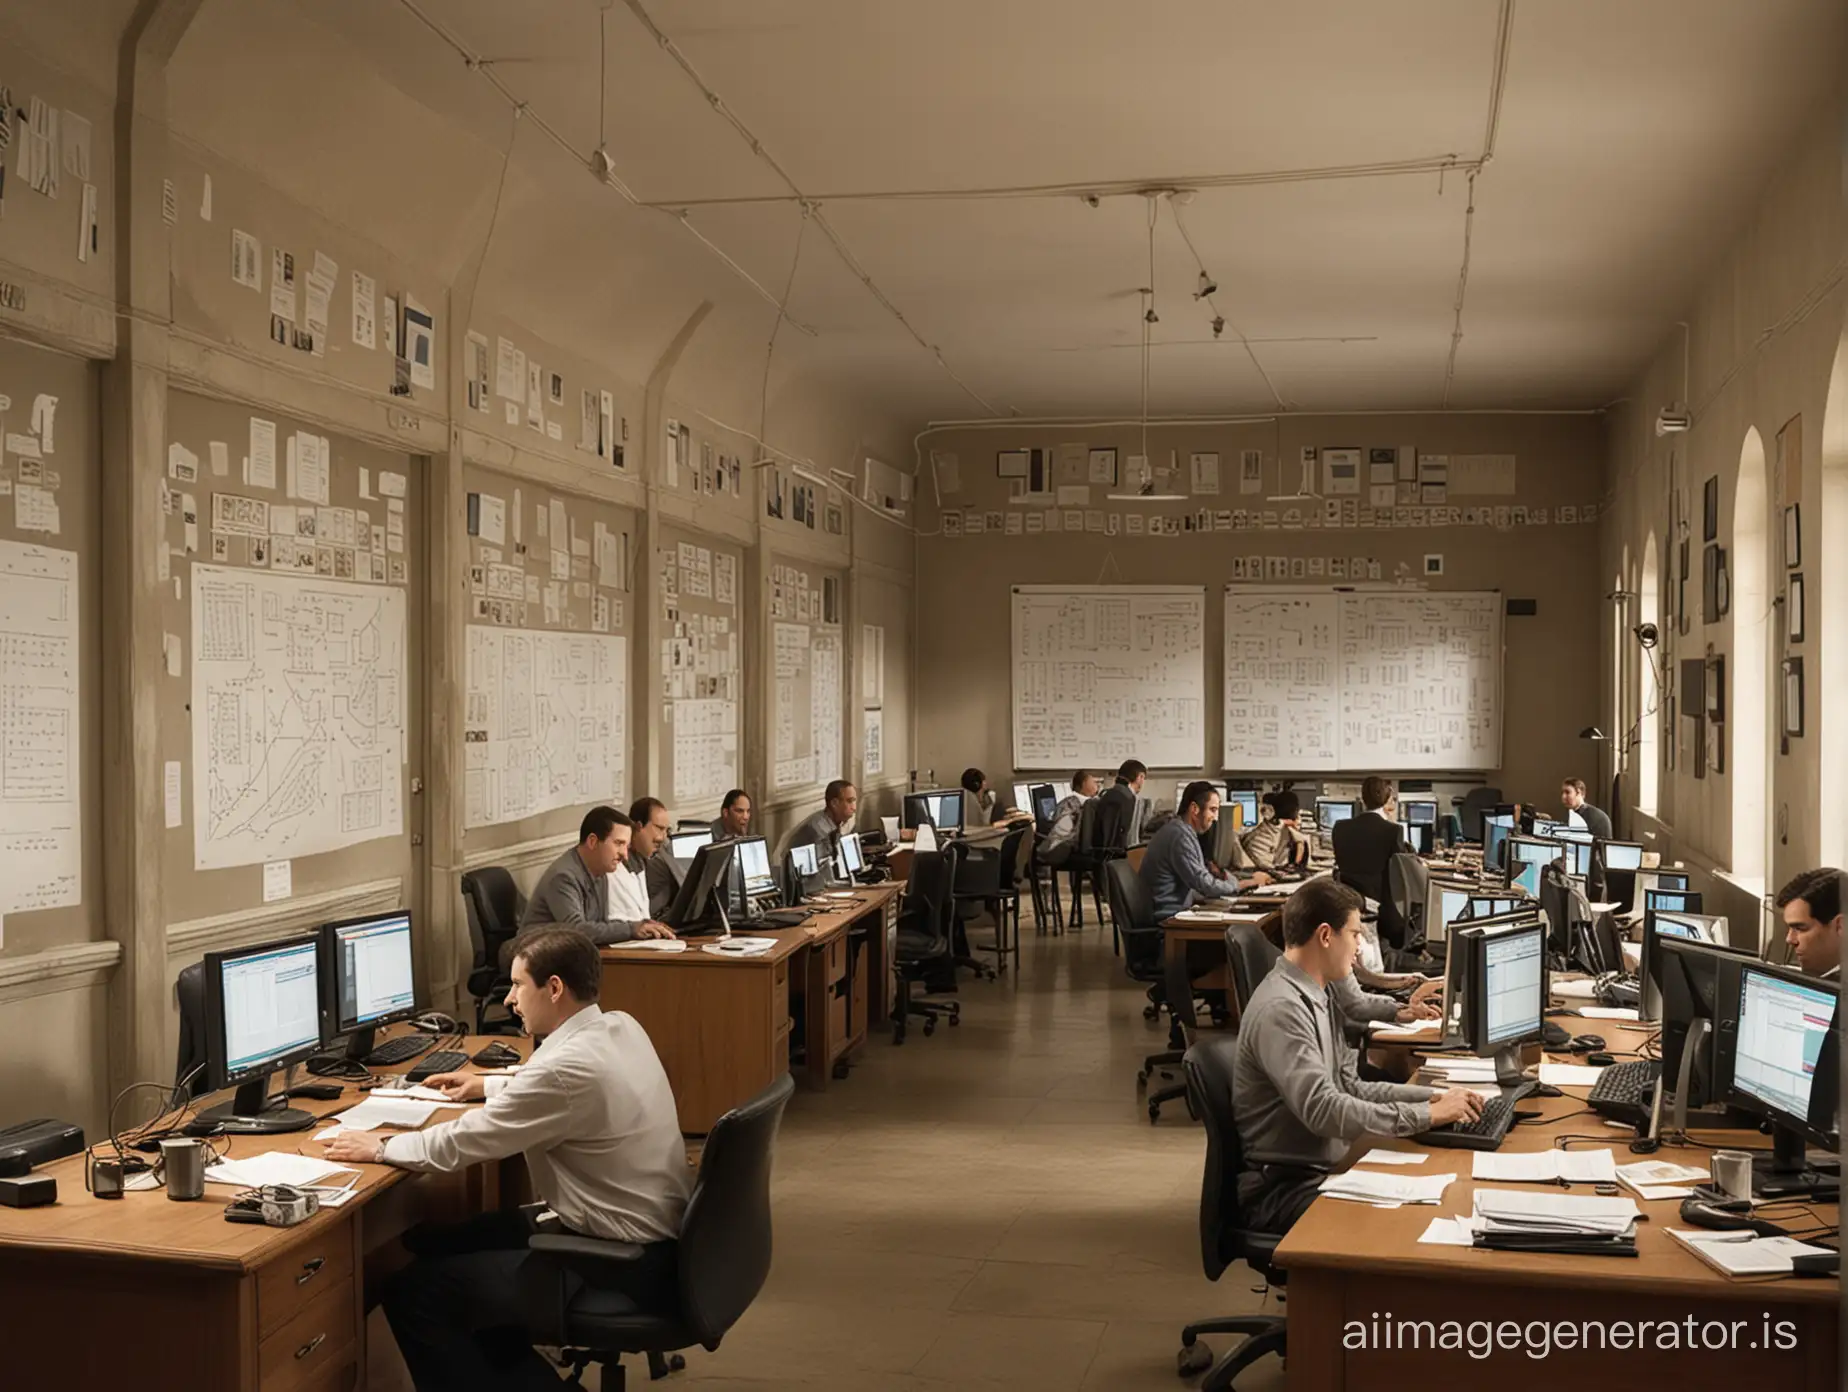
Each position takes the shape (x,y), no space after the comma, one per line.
(1145,492)
(1206,286)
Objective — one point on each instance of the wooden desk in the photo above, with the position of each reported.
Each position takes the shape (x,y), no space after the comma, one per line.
(722,1024)
(1348,1262)
(158,1295)
(1178,932)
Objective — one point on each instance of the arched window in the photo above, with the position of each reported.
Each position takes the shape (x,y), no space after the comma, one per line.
(1620,677)
(1649,697)
(1830,677)
(1750,675)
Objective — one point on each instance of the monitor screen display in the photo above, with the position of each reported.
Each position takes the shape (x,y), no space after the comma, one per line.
(1495,833)
(272,1004)
(1672,901)
(372,966)
(753,859)
(1577,855)
(1328,813)
(1418,811)
(946,810)
(1514,970)
(852,862)
(1671,879)
(1452,904)
(1622,855)
(805,860)
(1782,1025)
(1526,877)
(685,845)
(1246,800)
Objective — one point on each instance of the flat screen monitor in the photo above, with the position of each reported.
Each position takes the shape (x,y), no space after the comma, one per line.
(1511,987)
(1687,927)
(1577,856)
(1624,857)
(1418,836)
(753,857)
(1496,829)
(1525,876)
(1045,804)
(1418,811)
(1330,811)
(1444,905)
(367,976)
(1246,801)
(1672,900)
(942,809)
(1785,1024)
(698,909)
(684,845)
(1671,879)
(1492,905)
(262,1012)
(851,861)
(1696,979)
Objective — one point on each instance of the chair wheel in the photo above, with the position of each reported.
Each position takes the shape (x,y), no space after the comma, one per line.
(1142,1079)
(955,1020)
(840,1069)
(1154,1112)
(1193,1360)
(930,1026)
(676,1364)
(1150,1012)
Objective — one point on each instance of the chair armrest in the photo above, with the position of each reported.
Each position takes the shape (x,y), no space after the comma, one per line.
(544,1291)
(594,1248)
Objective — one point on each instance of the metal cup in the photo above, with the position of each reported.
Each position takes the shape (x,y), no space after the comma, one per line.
(1732,1173)
(183,1158)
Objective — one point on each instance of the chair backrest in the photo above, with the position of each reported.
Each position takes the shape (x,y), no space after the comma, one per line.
(1009,855)
(1133,912)
(1208,1066)
(496,902)
(1408,881)
(725,1233)
(1476,802)
(1251,955)
(929,898)
(189,993)
(1087,826)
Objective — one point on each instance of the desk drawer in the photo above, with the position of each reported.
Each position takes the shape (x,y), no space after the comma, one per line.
(299,1273)
(312,1346)
(837,959)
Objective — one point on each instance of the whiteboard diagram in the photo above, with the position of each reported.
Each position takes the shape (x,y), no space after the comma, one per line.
(705,752)
(41,834)
(545,722)
(298,715)
(1282,701)
(1107,673)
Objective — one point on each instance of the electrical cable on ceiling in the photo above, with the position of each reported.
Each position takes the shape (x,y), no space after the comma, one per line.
(500,191)
(763,410)
(1219,315)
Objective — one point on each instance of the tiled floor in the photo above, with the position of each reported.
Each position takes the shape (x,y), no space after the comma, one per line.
(988,1207)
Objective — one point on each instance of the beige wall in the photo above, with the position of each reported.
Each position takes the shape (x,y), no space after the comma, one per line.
(1549,689)
(1765,333)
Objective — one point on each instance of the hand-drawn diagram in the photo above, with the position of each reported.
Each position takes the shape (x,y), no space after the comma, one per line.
(41,834)
(1282,704)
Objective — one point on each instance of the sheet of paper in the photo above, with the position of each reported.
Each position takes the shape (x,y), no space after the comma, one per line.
(278,878)
(417,1092)
(1368,1186)
(1450,1232)
(1570,1074)
(272,1167)
(173,790)
(377,1111)
(1611,1012)
(260,464)
(1379,1156)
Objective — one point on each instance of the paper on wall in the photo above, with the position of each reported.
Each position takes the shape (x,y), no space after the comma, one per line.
(260,463)
(509,370)
(205,200)
(171,652)
(41,854)
(35,509)
(493,519)
(277,880)
(365,311)
(172,787)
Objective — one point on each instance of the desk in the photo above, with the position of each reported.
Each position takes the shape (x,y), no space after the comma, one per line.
(1176,933)
(899,857)
(1348,1262)
(148,1293)
(722,1024)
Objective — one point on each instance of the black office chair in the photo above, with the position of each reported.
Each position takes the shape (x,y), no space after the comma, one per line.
(1132,916)
(989,875)
(1477,802)
(1177,991)
(1224,1238)
(1085,865)
(493,905)
(924,949)
(1251,955)
(724,1258)
(1408,884)
(1043,880)
(189,996)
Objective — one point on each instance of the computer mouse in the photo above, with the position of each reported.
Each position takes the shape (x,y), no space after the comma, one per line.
(1726,1215)
(731,947)
(1545,1090)
(1598,1059)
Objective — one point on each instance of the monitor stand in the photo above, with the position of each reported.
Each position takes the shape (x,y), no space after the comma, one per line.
(361,1042)
(1508,1067)
(1783,1173)
(253,1112)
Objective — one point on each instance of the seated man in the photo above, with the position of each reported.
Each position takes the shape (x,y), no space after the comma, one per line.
(1116,805)
(594,1116)
(734,817)
(1364,848)
(1278,843)
(1812,905)
(1062,837)
(982,806)
(839,802)
(589,887)
(648,855)
(1296,1089)
(1174,871)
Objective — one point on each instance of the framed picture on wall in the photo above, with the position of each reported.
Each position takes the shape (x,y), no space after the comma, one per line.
(1700,747)
(1710,584)
(1793,609)
(1716,746)
(1710,510)
(1793,536)
(1793,698)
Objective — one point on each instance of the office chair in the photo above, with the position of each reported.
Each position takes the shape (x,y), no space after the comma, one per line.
(1043,879)
(1177,989)
(1251,955)
(1133,918)
(957,854)
(1476,803)
(1408,882)
(494,906)
(1085,865)
(724,1258)
(989,876)
(924,946)
(1224,1238)
(189,996)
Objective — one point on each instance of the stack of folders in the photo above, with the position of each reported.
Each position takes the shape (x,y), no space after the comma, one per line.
(1386,1190)
(1512,1220)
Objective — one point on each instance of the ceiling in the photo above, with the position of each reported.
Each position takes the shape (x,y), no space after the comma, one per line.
(1628,143)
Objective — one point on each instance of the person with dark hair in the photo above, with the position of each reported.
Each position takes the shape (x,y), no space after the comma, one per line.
(1296,1087)
(1174,870)
(1572,798)
(734,817)
(839,803)
(588,887)
(1116,808)
(648,857)
(1364,848)
(1062,837)
(594,1116)
(1812,905)
(1278,842)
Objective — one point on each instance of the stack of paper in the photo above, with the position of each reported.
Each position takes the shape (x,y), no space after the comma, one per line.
(417,1092)
(1378,1156)
(1611,1012)
(378,1111)
(1744,1253)
(1660,1179)
(1389,1190)
(272,1167)
(736,946)
(1582,989)
(1389,1029)
(655,945)
(1454,1072)
(1546,1166)
(1570,1074)
(1540,1217)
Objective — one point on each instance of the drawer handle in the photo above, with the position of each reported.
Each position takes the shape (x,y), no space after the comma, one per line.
(310,1269)
(310,1347)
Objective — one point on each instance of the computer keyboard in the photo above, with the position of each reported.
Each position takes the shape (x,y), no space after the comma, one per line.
(442,1061)
(1624,1092)
(1486,1131)
(401,1050)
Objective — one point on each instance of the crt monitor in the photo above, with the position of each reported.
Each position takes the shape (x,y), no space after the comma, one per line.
(698,909)
(1784,1036)
(1419,811)
(684,845)
(851,861)
(367,977)
(1623,857)
(1688,927)
(1672,900)
(262,1012)
(1329,811)
(1508,982)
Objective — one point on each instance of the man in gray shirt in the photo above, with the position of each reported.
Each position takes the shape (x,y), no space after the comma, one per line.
(840,803)
(1296,1092)
(575,889)
(1174,869)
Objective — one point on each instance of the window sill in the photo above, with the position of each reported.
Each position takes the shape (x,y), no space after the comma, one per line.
(1749,884)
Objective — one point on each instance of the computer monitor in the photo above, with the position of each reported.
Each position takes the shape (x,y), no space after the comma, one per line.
(1044,805)
(1577,856)
(802,868)
(698,909)
(1460,962)
(1444,905)
(1671,879)
(1418,835)
(1419,811)
(851,862)
(1783,1036)
(366,977)
(684,845)
(1672,900)
(1525,857)
(1508,981)
(262,1012)
(1329,811)
(1695,979)
(1688,927)
(1492,905)
(1497,827)
(1246,801)
(1624,857)
(1138,819)
(941,809)
(1023,797)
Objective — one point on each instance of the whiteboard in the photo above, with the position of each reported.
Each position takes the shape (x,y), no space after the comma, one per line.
(298,715)
(1409,681)
(41,834)
(1282,700)
(544,722)
(1107,673)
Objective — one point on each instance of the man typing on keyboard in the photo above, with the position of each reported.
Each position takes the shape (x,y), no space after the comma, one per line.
(1297,1093)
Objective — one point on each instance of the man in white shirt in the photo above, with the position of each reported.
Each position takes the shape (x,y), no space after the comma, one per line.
(594,1116)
